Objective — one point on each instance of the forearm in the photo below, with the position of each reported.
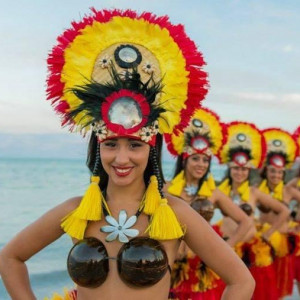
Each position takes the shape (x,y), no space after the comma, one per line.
(280,219)
(16,279)
(242,291)
(243,228)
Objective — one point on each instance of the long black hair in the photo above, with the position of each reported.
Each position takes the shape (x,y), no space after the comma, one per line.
(153,167)
(181,164)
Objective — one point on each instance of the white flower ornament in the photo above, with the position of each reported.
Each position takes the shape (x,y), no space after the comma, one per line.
(120,229)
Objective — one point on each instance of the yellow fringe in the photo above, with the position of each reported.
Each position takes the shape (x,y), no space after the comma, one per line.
(277,193)
(152,196)
(177,184)
(243,189)
(90,209)
(74,226)
(56,296)
(164,224)
(262,253)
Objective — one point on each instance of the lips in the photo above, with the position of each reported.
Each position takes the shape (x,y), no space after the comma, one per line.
(122,171)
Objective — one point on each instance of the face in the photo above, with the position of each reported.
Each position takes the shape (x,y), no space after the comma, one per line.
(239,174)
(124,160)
(197,165)
(274,174)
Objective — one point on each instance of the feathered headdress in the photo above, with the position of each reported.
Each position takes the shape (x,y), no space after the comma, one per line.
(124,74)
(282,148)
(204,134)
(245,145)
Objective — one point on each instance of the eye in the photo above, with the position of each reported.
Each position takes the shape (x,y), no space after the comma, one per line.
(109,144)
(135,144)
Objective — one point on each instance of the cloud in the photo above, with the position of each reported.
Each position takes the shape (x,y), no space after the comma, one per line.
(288,48)
(293,98)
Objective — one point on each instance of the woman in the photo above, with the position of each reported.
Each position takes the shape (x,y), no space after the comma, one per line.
(243,151)
(294,229)
(281,153)
(108,74)
(194,146)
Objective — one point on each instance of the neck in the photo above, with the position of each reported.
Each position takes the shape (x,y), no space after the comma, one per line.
(130,194)
(235,186)
(271,185)
(190,179)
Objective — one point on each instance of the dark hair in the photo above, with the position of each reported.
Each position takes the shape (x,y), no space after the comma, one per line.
(181,164)
(252,174)
(263,173)
(153,167)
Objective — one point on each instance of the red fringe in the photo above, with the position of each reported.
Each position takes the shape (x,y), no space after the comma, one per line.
(284,267)
(198,82)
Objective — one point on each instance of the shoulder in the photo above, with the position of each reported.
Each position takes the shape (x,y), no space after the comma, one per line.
(184,212)
(66,207)
(166,186)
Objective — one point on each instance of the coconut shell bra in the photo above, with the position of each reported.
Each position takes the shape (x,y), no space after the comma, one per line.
(141,262)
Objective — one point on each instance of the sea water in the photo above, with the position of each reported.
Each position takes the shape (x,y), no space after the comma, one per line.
(28,189)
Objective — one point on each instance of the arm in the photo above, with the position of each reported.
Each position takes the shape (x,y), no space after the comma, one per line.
(293,192)
(281,210)
(293,182)
(216,253)
(235,213)
(25,244)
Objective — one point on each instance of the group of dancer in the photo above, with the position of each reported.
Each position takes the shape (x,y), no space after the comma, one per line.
(131,81)
(254,183)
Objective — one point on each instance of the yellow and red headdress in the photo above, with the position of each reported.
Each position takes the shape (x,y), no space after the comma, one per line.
(204,134)
(125,74)
(282,148)
(245,145)
(296,136)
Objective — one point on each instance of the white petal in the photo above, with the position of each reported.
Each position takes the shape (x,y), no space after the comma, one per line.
(122,217)
(131,232)
(130,222)
(123,238)
(112,236)
(108,228)
(112,221)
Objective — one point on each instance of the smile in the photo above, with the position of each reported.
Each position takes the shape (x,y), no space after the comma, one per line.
(122,171)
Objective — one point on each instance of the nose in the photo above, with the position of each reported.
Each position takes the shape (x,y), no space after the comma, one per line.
(122,157)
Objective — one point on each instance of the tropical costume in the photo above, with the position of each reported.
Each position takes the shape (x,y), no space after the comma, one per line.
(296,136)
(245,147)
(122,74)
(191,278)
(281,153)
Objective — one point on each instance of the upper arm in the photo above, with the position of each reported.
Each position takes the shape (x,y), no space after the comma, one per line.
(40,233)
(229,208)
(202,239)
(295,193)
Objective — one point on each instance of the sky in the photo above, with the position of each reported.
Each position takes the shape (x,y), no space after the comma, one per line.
(252,51)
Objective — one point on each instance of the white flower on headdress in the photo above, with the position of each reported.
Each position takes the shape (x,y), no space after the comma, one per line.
(188,150)
(120,229)
(100,130)
(155,128)
(148,68)
(146,134)
(104,61)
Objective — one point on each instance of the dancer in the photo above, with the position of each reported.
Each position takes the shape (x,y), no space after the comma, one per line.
(123,78)
(194,184)
(243,152)
(281,153)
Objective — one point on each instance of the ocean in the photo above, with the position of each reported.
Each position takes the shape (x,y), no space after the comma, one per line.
(29,188)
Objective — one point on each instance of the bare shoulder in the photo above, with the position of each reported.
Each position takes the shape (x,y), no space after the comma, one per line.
(183,210)
(166,186)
